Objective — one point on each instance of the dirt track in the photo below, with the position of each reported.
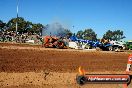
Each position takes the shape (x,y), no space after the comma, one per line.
(18,59)
(24,58)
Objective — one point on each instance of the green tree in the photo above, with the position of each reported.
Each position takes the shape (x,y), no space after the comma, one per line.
(22,24)
(115,35)
(67,33)
(80,34)
(108,35)
(29,26)
(88,34)
(2,25)
(37,28)
(118,35)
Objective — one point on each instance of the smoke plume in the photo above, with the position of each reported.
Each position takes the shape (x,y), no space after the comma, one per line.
(54,29)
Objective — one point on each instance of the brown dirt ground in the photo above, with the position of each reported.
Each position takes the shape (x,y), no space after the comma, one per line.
(23,65)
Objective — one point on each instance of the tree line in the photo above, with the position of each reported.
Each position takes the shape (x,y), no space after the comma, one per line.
(23,26)
(30,27)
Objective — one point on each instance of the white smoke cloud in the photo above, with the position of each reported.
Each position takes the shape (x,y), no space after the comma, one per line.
(54,29)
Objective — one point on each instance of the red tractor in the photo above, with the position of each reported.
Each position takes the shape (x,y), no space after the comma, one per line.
(53,42)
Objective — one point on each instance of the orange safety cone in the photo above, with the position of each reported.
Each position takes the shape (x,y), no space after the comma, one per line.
(129,63)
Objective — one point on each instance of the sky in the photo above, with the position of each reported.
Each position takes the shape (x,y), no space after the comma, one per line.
(100,15)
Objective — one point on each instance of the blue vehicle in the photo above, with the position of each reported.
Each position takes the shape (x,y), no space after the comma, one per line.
(106,47)
(93,44)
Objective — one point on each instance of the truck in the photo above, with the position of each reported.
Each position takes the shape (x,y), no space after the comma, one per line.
(129,45)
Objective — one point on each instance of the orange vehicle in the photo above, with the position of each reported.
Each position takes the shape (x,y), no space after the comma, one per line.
(53,42)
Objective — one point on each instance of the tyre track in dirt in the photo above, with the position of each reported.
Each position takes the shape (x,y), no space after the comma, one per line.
(28,66)
(26,59)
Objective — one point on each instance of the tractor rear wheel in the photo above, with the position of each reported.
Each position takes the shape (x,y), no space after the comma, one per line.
(60,44)
(46,45)
(110,48)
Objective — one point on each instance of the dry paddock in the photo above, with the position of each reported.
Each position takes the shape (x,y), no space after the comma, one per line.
(31,66)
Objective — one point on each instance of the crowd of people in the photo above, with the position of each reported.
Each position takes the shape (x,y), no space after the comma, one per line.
(18,38)
(7,36)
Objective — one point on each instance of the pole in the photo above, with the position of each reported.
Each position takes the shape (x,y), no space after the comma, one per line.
(17,17)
